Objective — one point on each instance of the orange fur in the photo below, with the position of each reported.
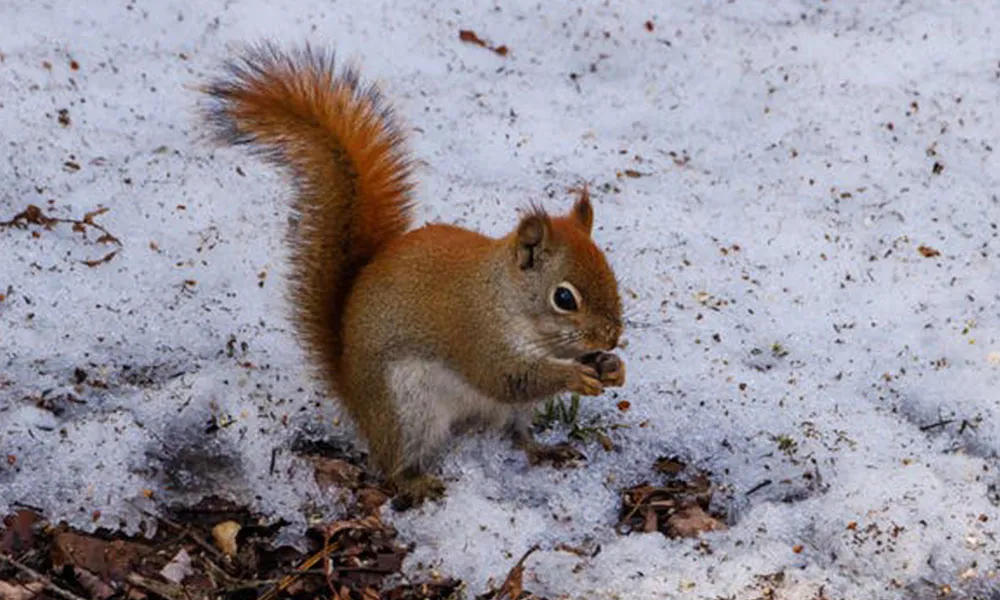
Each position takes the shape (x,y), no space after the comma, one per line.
(346,156)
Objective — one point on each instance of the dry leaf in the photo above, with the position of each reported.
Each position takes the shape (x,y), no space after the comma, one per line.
(14,591)
(334,471)
(692,521)
(371,499)
(19,531)
(513,586)
(670,466)
(109,560)
(927,251)
(224,534)
(178,568)
(97,589)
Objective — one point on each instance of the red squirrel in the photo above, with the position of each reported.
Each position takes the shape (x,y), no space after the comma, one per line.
(417,331)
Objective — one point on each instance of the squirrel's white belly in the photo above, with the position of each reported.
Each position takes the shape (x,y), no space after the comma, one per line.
(431,400)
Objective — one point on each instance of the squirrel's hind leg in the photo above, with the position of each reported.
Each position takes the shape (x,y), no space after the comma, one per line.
(424,420)
(401,443)
(520,429)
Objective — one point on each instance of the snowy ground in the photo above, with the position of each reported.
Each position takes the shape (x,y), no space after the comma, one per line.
(783,324)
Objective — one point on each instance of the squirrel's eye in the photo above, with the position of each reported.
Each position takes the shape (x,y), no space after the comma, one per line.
(564,298)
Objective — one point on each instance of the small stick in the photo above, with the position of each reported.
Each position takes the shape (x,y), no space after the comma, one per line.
(940,423)
(759,486)
(287,580)
(40,578)
(248,585)
(186,531)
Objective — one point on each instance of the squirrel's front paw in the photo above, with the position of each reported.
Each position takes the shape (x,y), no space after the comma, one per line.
(413,491)
(610,369)
(557,454)
(585,380)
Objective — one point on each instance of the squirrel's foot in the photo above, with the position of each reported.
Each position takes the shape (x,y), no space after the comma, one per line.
(414,490)
(558,455)
(610,369)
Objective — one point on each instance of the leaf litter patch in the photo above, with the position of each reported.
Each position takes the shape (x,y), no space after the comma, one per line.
(218,550)
(680,506)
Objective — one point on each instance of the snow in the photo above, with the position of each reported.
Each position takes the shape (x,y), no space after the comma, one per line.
(799,137)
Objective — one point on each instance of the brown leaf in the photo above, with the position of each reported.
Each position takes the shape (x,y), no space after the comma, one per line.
(109,560)
(927,251)
(692,521)
(370,499)
(16,591)
(19,532)
(97,589)
(335,471)
(670,466)
(513,586)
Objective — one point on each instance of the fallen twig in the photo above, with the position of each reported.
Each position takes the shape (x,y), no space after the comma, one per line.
(32,215)
(941,423)
(289,579)
(759,486)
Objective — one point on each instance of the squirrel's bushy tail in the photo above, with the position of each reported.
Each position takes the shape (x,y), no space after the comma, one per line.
(352,175)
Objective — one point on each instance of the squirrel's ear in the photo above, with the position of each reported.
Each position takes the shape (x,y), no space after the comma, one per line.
(583,212)
(533,235)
